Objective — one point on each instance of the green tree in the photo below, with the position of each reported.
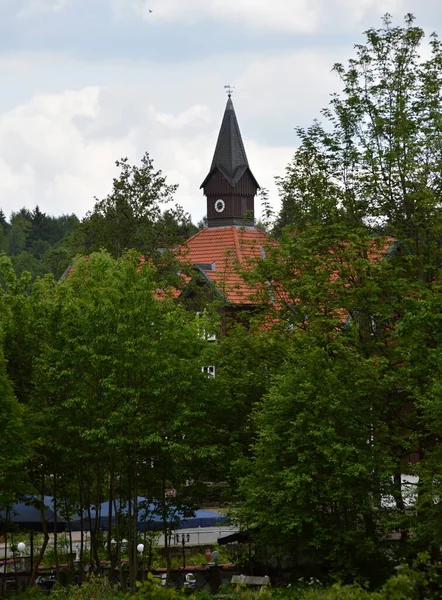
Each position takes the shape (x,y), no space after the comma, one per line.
(376,160)
(329,432)
(109,373)
(131,215)
(18,233)
(123,374)
(316,472)
(13,439)
(37,242)
(349,290)
(245,360)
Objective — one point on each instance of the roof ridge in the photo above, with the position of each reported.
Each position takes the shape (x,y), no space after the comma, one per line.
(237,244)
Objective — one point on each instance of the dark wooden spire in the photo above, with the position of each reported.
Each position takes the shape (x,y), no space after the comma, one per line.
(230,186)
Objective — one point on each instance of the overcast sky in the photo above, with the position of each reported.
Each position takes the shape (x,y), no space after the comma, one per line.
(85,82)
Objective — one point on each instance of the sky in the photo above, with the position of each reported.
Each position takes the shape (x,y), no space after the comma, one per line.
(86,82)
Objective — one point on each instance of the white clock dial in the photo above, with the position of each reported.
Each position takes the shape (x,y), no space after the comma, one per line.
(220,205)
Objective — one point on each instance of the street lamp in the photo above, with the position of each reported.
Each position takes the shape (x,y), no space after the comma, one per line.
(183,539)
(21,547)
(140,549)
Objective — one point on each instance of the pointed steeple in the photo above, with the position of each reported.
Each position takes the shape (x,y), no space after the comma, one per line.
(230,155)
(230,186)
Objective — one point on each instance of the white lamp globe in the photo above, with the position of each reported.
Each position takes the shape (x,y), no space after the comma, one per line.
(21,547)
(140,548)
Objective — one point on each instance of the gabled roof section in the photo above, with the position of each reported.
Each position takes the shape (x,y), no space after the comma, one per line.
(226,248)
(230,155)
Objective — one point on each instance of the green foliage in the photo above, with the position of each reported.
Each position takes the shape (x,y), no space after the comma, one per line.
(312,466)
(355,402)
(153,590)
(37,242)
(245,360)
(110,377)
(203,595)
(131,216)
(134,215)
(421,580)
(34,593)
(93,588)
(376,161)
(14,440)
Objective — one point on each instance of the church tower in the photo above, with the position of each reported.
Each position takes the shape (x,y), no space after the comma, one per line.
(231,238)
(230,187)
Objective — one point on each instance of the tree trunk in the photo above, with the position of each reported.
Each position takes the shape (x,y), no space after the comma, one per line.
(134,535)
(110,554)
(44,527)
(166,532)
(68,517)
(5,557)
(398,497)
(57,562)
(80,487)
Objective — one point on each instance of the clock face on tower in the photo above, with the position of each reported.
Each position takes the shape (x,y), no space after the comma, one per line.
(220,205)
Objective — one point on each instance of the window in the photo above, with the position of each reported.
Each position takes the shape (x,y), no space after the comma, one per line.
(209,371)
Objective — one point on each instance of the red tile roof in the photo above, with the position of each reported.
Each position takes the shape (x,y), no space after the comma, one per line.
(228,249)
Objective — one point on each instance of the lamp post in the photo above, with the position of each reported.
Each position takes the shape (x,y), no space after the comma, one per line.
(183,539)
(21,547)
(140,549)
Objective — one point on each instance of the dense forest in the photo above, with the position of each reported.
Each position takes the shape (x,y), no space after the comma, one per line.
(325,400)
(37,242)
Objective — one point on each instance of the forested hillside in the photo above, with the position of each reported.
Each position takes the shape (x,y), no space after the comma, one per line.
(37,242)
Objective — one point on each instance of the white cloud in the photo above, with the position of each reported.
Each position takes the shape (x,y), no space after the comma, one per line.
(299,16)
(297,84)
(58,147)
(30,8)
(200,113)
(45,158)
(58,150)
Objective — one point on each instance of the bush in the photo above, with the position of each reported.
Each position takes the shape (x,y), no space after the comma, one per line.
(422,580)
(31,594)
(93,588)
(153,590)
(242,592)
(203,595)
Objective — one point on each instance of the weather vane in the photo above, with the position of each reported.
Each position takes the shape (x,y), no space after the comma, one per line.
(229,90)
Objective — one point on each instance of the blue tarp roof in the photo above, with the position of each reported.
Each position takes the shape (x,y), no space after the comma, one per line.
(26,515)
(150,517)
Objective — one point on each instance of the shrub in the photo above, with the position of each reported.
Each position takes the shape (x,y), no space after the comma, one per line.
(153,590)
(31,594)
(93,588)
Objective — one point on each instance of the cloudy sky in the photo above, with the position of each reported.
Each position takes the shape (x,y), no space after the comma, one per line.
(85,82)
